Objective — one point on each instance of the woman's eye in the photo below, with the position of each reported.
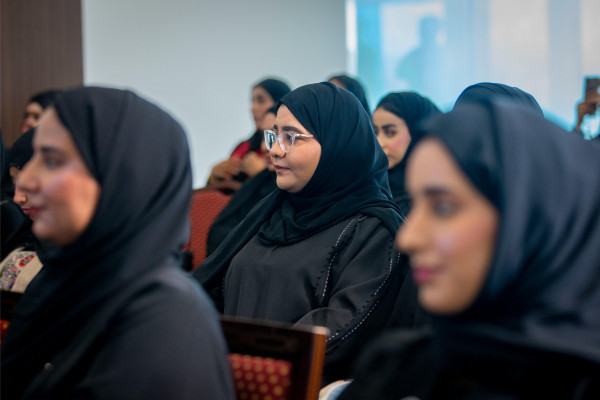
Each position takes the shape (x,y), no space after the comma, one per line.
(389,132)
(444,208)
(51,162)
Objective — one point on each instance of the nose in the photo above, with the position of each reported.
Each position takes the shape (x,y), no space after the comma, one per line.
(276,150)
(20,197)
(382,141)
(26,181)
(411,235)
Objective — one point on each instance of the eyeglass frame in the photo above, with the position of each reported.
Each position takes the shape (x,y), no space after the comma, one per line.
(280,141)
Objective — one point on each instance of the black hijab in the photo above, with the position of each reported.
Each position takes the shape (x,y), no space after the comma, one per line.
(139,156)
(275,87)
(22,150)
(351,177)
(45,98)
(413,109)
(541,298)
(486,91)
(355,88)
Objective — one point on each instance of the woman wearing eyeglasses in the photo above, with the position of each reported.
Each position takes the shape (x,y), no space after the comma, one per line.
(319,249)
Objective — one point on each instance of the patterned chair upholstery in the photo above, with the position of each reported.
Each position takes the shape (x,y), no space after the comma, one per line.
(206,206)
(260,378)
(274,361)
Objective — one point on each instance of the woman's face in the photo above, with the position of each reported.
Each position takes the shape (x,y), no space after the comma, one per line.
(450,232)
(20,196)
(294,169)
(261,102)
(33,111)
(62,193)
(393,135)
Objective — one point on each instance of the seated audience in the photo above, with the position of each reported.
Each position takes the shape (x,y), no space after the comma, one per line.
(253,191)
(354,86)
(319,249)
(229,173)
(396,119)
(111,315)
(20,262)
(503,242)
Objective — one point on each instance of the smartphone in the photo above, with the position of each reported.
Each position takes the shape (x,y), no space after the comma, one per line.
(590,86)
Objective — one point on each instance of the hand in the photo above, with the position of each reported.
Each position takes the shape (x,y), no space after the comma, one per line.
(253,163)
(587,107)
(225,170)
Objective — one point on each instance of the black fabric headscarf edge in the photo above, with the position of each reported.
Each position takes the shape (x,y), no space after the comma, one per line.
(22,150)
(356,88)
(275,87)
(487,91)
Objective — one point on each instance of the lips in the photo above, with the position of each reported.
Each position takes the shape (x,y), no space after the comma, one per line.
(280,169)
(423,275)
(32,211)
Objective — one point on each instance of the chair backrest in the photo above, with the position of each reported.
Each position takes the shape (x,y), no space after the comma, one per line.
(206,206)
(275,360)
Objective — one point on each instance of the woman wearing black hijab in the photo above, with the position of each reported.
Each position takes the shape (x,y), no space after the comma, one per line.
(111,315)
(396,121)
(523,322)
(486,91)
(354,87)
(241,164)
(319,250)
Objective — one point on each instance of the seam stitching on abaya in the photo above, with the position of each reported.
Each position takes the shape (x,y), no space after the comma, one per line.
(374,305)
(334,256)
(357,220)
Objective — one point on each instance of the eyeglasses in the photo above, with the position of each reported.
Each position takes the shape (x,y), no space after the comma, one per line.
(286,139)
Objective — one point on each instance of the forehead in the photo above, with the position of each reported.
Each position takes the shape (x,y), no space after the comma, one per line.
(259,91)
(382,116)
(34,107)
(286,118)
(52,133)
(431,164)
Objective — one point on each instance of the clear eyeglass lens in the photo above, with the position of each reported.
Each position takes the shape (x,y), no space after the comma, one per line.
(288,140)
(269,139)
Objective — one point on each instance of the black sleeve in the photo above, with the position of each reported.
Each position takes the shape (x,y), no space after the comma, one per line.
(166,344)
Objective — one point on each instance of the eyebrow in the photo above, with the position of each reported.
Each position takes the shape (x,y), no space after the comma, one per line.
(287,128)
(388,126)
(434,191)
(47,150)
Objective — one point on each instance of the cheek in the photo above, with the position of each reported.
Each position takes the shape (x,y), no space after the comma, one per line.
(72,200)
(398,145)
(465,256)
